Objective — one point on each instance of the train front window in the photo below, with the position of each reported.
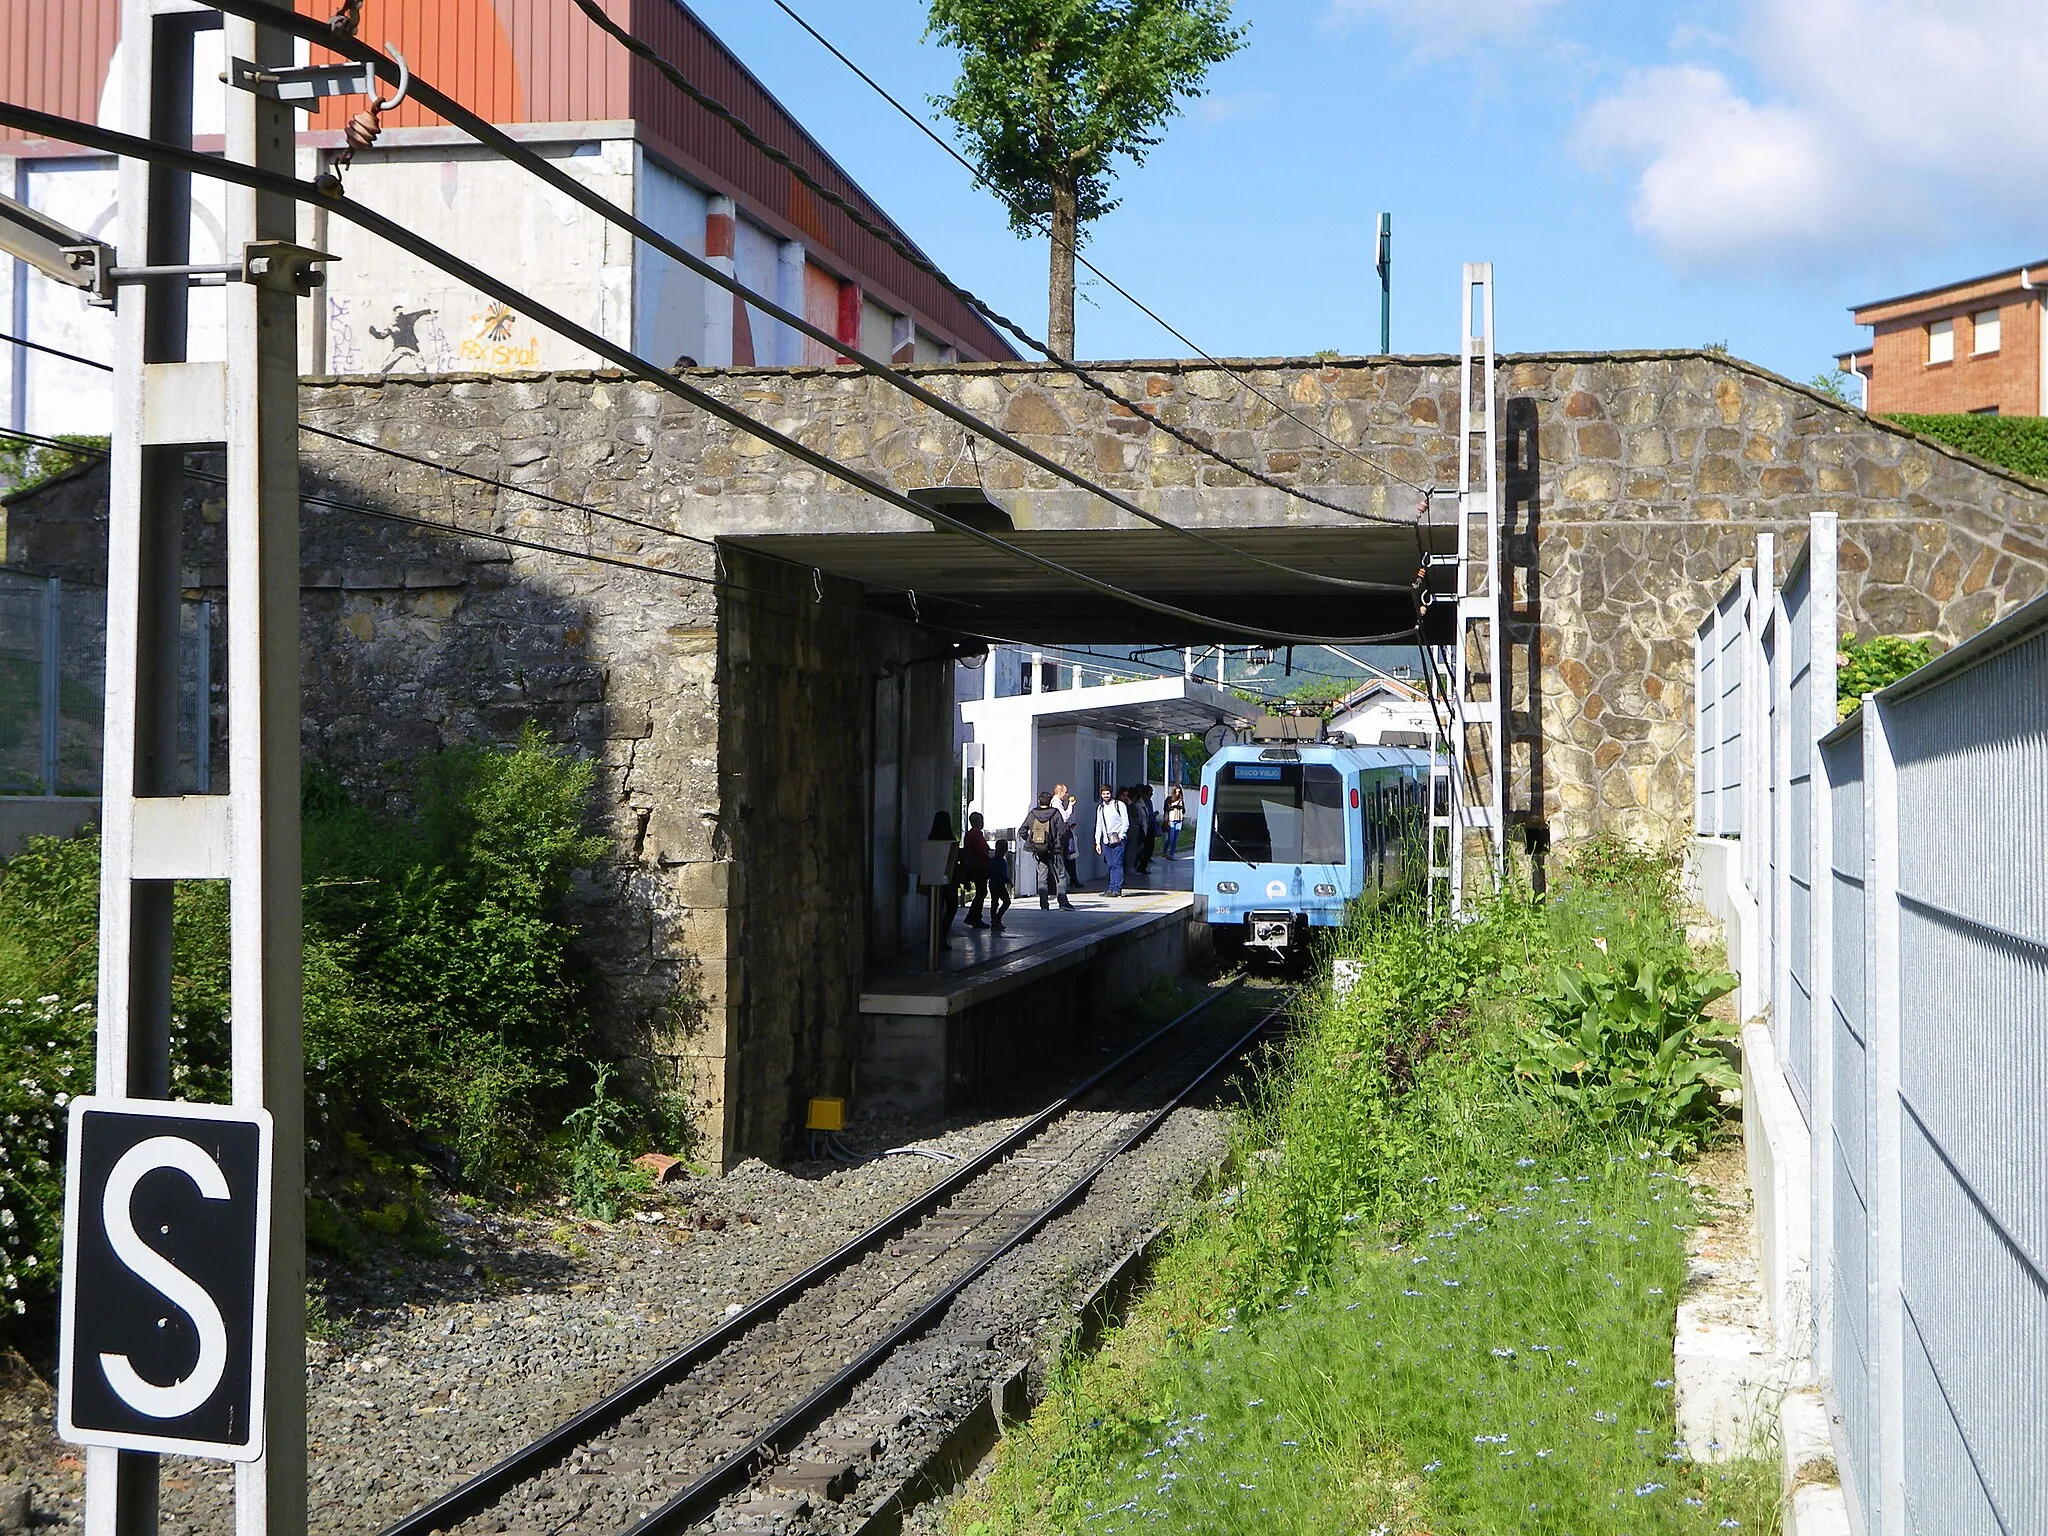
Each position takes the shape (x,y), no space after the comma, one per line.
(1278,813)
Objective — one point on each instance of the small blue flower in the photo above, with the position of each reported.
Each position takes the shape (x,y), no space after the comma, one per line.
(1647,1489)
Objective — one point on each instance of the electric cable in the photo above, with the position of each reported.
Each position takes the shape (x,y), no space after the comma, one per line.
(897,242)
(494,138)
(1037,221)
(69,357)
(109,141)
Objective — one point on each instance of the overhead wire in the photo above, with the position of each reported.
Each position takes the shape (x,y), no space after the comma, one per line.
(1037,221)
(69,357)
(426,94)
(109,141)
(895,240)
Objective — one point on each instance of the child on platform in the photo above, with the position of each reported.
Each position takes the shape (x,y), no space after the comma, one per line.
(999,883)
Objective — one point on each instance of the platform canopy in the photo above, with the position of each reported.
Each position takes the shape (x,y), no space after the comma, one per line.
(1162,706)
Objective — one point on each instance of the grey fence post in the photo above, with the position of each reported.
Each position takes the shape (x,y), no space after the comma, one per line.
(1881,949)
(1822,554)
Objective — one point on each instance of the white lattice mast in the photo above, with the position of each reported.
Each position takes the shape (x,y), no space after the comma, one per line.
(1468,787)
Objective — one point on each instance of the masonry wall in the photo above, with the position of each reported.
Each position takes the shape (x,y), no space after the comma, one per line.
(747,738)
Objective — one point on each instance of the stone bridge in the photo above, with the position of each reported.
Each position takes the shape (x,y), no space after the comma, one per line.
(773,708)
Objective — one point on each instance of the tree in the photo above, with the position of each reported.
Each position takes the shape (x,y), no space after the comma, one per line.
(1053,92)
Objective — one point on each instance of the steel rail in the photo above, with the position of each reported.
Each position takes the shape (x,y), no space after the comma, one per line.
(703,1496)
(487,1487)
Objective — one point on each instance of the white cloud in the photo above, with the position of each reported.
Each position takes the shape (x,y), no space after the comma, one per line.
(1908,121)
(1435,27)
(1228,106)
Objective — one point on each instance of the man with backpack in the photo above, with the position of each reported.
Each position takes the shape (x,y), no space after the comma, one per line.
(1044,832)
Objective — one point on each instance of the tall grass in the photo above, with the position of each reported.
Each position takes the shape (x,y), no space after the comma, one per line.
(1439,1294)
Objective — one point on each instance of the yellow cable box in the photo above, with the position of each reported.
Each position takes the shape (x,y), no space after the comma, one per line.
(826,1115)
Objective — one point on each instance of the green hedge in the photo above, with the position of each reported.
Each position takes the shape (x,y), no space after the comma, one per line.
(2018,442)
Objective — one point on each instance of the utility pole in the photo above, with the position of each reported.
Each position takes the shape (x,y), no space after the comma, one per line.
(155,831)
(1384,264)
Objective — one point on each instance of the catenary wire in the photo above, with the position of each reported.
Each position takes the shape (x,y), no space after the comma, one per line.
(723,583)
(496,139)
(109,141)
(894,239)
(69,357)
(1037,222)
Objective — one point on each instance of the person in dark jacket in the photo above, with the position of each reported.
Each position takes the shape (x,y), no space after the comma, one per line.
(974,862)
(1044,832)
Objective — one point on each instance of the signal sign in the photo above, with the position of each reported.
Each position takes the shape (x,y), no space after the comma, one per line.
(166,1270)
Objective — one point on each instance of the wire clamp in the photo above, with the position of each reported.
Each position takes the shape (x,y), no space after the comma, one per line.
(915,616)
(817,586)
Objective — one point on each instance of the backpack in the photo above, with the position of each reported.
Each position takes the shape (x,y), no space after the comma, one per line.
(1039,831)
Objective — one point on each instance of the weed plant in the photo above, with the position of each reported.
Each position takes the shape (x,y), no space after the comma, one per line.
(1439,1295)
(446,1024)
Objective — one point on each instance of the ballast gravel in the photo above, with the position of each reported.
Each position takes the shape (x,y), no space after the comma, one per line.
(433,1368)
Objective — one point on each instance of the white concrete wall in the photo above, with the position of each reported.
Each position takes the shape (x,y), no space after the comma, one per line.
(668,298)
(754,264)
(1365,723)
(492,213)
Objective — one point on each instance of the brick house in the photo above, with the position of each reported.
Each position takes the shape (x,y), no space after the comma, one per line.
(1976,346)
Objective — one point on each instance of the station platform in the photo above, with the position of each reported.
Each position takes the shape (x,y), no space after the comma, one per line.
(1001,1002)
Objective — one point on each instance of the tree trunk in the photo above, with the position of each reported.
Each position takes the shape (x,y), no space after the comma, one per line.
(1060,322)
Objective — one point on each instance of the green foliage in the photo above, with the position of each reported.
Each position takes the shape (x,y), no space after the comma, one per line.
(1834,383)
(1053,92)
(2018,443)
(442,1004)
(598,1174)
(1626,1043)
(1606,862)
(1440,1295)
(24,466)
(1865,666)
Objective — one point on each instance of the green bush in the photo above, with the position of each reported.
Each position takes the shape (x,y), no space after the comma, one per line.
(1626,1044)
(443,1007)
(2017,442)
(1865,666)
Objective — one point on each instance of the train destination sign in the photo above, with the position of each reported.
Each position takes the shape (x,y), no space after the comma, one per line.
(166,1269)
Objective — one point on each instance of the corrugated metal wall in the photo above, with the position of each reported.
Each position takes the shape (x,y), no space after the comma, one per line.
(672,121)
(54,55)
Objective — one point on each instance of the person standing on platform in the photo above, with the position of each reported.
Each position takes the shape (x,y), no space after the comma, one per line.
(1045,834)
(999,876)
(948,895)
(1144,826)
(974,860)
(1176,814)
(1112,833)
(1065,803)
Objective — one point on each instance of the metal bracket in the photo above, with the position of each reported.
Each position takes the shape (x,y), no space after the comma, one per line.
(304,87)
(281,265)
(93,264)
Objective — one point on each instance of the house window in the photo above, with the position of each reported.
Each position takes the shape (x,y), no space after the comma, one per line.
(1984,332)
(1984,410)
(1941,342)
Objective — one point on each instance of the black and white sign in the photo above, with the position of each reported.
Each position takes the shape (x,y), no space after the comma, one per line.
(166,1269)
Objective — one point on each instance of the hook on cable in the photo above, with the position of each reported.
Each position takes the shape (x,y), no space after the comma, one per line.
(817,586)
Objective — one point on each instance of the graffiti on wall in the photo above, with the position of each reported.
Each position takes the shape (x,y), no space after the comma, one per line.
(493,340)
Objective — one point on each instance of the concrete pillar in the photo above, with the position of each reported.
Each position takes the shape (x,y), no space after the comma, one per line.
(902,339)
(988,672)
(789,293)
(1034,682)
(721,235)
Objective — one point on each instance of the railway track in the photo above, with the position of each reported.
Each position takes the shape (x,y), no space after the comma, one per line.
(663,1451)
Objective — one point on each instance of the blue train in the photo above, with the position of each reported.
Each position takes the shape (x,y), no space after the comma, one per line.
(1288,835)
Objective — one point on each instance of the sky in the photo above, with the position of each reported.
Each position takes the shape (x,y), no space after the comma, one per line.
(1640,174)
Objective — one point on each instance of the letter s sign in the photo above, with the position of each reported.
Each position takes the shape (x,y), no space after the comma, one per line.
(166,1262)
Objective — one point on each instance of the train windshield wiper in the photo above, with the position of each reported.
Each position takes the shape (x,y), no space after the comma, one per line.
(1242,857)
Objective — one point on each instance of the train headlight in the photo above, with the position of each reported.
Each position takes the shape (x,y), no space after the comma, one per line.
(1226,887)
(1326,890)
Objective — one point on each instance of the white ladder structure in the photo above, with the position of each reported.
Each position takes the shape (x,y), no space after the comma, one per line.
(1466,673)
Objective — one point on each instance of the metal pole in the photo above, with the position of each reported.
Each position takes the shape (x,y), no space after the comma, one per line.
(52,689)
(145,507)
(1384,265)
(153,834)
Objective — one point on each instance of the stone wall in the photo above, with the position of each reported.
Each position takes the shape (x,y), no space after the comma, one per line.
(750,736)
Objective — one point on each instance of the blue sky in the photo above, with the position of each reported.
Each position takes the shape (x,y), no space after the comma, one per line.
(1640,174)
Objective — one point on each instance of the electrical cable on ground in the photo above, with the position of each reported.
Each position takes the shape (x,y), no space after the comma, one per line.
(73,131)
(496,139)
(910,253)
(1037,221)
